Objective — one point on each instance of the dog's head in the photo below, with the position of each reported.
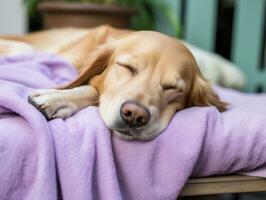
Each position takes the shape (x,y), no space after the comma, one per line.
(143,78)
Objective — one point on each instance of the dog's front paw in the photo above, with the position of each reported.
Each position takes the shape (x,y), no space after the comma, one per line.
(52,104)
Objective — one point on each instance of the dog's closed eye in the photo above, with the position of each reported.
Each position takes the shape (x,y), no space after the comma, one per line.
(129,67)
(172,92)
(169,87)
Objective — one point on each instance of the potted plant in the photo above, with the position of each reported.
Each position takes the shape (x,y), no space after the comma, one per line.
(137,14)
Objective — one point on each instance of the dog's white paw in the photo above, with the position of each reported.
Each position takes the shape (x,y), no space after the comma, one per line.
(52,103)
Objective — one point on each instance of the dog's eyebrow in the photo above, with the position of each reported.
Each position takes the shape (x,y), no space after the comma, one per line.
(125,58)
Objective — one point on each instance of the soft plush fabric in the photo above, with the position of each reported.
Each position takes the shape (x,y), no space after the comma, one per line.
(79,159)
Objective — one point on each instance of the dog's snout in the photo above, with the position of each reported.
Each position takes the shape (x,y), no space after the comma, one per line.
(134,115)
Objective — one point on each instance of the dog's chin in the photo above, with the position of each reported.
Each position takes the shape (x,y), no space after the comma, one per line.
(140,134)
(127,135)
(124,135)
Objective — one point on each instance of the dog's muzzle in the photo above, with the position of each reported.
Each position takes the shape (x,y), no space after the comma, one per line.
(134,115)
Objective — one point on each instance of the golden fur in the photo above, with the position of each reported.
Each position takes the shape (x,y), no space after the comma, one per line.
(149,68)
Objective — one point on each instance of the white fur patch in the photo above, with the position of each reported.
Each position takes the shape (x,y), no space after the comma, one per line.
(8,47)
(217,69)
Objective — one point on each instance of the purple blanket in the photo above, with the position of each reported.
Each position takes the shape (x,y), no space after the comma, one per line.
(78,158)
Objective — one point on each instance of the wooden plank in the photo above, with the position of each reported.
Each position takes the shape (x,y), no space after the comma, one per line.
(223,184)
(227,178)
(200,23)
(247,38)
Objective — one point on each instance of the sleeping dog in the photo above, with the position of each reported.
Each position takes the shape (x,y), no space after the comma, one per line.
(138,79)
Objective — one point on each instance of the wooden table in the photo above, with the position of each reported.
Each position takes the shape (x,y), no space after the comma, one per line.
(223,184)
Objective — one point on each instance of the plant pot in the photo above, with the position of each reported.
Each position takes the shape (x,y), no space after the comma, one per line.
(87,15)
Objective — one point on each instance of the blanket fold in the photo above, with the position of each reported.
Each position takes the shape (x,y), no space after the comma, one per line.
(80,159)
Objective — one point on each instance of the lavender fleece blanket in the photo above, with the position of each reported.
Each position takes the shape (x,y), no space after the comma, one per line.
(78,158)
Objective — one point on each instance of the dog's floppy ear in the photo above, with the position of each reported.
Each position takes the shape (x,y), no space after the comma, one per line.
(94,65)
(202,94)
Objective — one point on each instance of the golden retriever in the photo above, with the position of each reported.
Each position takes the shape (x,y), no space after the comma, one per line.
(139,79)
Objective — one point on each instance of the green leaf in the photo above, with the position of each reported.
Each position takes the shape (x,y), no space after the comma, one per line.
(163,8)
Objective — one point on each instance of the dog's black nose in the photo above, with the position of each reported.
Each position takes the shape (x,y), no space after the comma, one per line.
(134,115)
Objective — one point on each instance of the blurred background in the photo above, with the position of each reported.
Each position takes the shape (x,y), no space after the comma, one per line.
(234,29)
